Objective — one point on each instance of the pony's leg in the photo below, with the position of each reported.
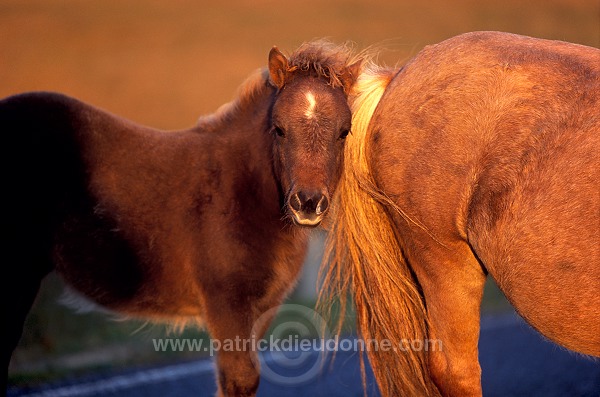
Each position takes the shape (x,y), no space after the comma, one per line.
(452,281)
(21,285)
(230,323)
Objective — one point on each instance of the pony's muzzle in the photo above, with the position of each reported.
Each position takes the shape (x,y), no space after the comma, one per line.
(308,207)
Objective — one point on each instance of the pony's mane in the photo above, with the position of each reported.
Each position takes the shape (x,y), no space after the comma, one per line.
(325,59)
(247,93)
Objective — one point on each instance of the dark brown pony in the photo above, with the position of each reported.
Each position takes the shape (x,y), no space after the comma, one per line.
(191,226)
(479,156)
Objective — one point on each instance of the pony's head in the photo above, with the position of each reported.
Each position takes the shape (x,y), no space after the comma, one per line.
(310,119)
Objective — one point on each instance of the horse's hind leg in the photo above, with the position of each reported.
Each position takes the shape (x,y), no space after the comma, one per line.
(452,283)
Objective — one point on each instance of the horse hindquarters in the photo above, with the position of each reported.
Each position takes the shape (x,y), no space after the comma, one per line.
(40,163)
(544,248)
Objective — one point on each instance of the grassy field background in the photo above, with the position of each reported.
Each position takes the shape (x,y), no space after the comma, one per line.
(166,63)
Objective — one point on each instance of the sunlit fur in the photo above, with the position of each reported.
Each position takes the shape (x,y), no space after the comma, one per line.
(479,156)
(326,59)
(311,103)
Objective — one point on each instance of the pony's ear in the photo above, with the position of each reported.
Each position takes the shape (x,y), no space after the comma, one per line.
(278,67)
(350,74)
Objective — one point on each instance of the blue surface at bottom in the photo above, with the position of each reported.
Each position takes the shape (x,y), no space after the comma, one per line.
(515,361)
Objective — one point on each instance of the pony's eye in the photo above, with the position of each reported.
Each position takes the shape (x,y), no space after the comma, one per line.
(279,131)
(344,133)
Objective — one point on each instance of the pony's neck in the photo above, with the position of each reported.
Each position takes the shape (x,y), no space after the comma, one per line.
(245,121)
(241,127)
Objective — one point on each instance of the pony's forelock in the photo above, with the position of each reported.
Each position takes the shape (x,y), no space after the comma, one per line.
(327,59)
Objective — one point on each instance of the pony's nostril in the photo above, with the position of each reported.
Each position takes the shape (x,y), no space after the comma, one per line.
(295,202)
(322,205)
(309,205)
(309,202)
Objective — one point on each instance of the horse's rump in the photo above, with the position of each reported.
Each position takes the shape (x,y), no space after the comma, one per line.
(497,144)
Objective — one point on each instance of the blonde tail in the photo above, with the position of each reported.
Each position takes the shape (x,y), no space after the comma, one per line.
(363,257)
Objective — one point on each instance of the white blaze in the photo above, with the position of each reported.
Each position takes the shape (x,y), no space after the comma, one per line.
(311,104)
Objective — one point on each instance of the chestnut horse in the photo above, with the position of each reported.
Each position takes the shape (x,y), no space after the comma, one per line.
(479,156)
(191,226)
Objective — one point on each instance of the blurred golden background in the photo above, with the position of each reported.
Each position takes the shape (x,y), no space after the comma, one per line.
(165,63)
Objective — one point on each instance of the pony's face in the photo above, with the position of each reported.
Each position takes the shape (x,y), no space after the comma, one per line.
(310,120)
